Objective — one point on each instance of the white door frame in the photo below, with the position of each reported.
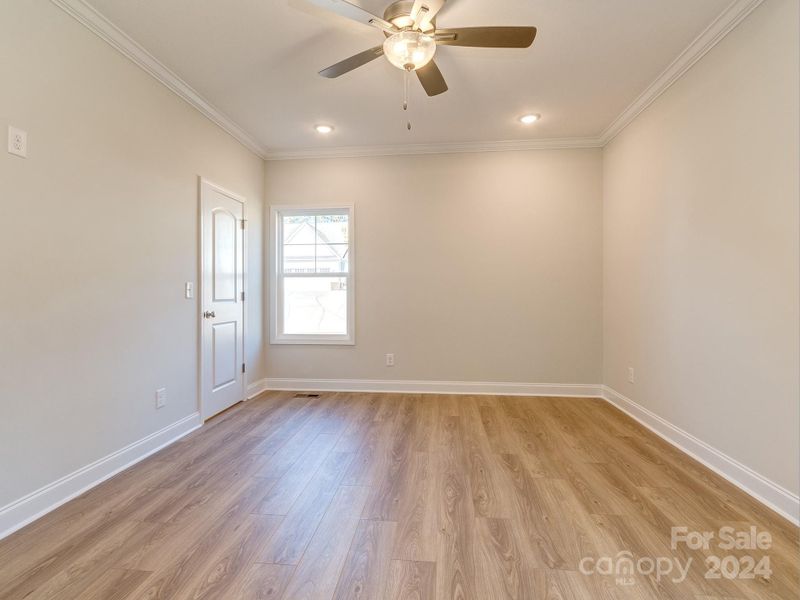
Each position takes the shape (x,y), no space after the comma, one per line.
(201,181)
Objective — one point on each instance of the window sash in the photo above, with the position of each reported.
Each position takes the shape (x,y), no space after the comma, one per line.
(277,335)
(307,212)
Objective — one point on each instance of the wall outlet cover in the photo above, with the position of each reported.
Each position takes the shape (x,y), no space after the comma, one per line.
(17,142)
(161,397)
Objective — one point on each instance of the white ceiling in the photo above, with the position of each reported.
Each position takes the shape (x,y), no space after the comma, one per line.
(257,62)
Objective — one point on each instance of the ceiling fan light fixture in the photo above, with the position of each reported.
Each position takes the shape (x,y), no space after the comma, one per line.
(529,119)
(409,50)
(323,129)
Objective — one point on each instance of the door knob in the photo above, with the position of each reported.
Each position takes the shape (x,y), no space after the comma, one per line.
(209,314)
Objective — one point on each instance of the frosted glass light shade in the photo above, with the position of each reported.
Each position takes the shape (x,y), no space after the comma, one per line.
(409,50)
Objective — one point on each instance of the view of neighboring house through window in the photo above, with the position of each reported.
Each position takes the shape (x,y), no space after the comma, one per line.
(311,288)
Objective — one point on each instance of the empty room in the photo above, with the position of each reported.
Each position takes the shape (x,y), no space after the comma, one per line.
(400,300)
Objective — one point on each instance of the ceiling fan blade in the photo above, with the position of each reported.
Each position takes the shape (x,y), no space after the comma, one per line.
(432,79)
(353,62)
(424,11)
(356,13)
(487,37)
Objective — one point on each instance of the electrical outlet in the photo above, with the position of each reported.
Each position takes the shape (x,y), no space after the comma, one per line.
(189,290)
(631,375)
(161,397)
(17,142)
(390,360)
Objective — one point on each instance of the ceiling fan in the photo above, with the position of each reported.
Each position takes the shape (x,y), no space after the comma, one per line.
(412,37)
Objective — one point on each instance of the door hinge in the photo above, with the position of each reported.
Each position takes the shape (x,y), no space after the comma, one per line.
(244,369)
(244,221)
(242,296)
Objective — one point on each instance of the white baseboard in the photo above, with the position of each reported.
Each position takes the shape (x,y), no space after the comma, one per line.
(19,513)
(256,388)
(577,390)
(759,487)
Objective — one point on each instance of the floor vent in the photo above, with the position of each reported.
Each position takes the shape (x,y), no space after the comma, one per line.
(306,395)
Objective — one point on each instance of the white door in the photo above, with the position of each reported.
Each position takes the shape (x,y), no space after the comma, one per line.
(222,302)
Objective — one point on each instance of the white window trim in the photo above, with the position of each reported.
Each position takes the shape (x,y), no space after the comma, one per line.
(275,282)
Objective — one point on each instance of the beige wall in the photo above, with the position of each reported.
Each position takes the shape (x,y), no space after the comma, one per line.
(469,267)
(98,233)
(491,269)
(701,249)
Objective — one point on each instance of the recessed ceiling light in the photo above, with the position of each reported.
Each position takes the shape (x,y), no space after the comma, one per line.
(529,119)
(324,129)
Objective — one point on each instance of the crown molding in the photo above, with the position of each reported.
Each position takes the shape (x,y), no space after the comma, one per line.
(710,37)
(457,148)
(106,30)
(87,16)
(702,44)
(734,14)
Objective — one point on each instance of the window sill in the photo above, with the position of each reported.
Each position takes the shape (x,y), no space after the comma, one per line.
(312,341)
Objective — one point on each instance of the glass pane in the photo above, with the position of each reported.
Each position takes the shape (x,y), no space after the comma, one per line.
(332,258)
(298,230)
(315,305)
(332,229)
(316,243)
(298,259)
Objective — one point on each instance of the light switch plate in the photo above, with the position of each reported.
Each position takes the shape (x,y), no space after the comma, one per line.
(17,142)
(189,290)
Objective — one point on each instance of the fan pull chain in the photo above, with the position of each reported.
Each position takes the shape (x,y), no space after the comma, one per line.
(406,77)
(405,90)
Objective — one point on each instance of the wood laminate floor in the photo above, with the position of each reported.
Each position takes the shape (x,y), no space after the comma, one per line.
(388,496)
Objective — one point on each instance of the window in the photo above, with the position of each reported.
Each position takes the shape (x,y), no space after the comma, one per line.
(311,276)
